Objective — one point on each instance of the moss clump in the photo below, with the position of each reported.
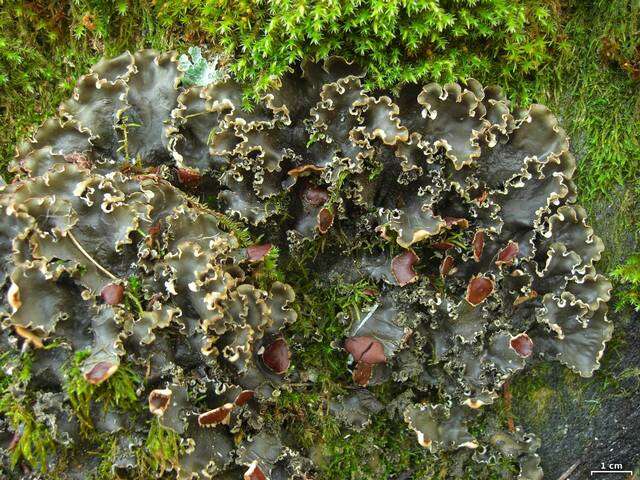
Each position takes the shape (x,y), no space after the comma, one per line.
(319,323)
(133,296)
(601,99)
(230,225)
(628,276)
(397,40)
(162,449)
(106,450)
(268,271)
(32,441)
(119,391)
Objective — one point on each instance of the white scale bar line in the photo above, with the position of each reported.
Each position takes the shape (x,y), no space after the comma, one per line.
(611,471)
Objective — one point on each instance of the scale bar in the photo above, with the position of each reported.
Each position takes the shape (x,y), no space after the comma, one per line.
(611,471)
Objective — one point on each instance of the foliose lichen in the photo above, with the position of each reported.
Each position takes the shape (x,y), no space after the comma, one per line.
(116,242)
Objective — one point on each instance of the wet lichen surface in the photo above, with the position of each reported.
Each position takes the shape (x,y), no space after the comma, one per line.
(199,287)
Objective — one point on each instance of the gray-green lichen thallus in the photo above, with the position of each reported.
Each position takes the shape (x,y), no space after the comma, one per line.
(115,240)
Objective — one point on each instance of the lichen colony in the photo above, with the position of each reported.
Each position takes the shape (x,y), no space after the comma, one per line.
(118,244)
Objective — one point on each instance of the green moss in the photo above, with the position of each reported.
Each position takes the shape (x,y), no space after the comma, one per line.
(106,450)
(628,276)
(230,225)
(627,383)
(268,271)
(279,204)
(33,442)
(533,398)
(540,399)
(161,451)
(319,323)
(133,296)
(118,391)
(599,99)
(396,40)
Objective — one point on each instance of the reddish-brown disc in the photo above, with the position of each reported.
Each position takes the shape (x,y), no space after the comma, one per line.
(522,344)
(325,220)
(100,372)
(478,290)
(402,268)
(362,373)
(478,245)
(255,253)
(508,254)
(112,294)
(446,265)
(277,357)
(365,349)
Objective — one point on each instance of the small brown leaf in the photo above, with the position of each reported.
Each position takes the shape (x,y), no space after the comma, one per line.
(88,21)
